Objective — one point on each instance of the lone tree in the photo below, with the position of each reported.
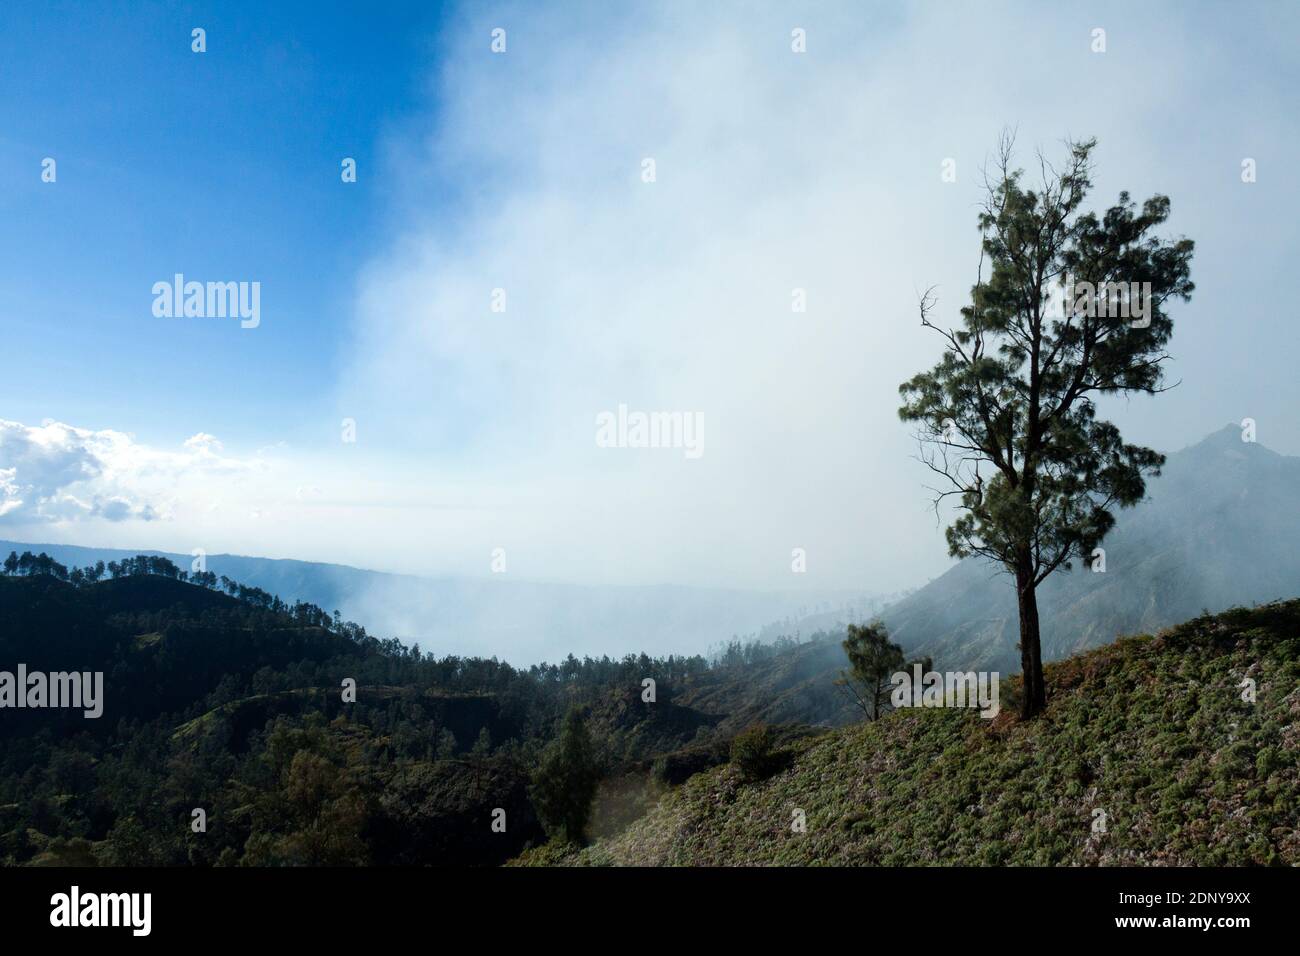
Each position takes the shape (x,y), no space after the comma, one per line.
(1007,418)
(873,660)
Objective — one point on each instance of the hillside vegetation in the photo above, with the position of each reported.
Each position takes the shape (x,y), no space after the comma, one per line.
(1151,732)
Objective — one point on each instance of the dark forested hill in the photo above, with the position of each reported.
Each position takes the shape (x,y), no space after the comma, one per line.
(233,704)
(53,625)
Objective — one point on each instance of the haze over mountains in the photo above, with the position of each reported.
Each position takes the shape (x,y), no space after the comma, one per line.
(522,622)
(1220,528)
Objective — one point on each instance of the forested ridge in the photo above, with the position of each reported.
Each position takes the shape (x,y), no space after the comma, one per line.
(225,699)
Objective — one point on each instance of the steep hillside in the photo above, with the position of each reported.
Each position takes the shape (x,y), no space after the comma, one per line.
(1219,529)
(1151,732)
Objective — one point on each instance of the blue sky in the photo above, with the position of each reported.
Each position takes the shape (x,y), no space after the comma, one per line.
(523,171)
(224,163)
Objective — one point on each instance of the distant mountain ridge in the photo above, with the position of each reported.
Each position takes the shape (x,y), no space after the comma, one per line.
(521,621)
(1220,528)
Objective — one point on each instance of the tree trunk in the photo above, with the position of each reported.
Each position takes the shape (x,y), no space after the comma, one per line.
(1034,697)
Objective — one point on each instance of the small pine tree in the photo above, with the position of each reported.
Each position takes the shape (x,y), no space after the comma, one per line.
(564,783)
(873,659)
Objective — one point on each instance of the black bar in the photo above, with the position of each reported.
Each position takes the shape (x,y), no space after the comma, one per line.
(330,906)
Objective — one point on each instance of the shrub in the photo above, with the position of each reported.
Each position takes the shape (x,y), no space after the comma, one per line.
(754,752)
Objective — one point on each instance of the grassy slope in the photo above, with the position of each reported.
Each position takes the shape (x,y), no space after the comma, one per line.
(1151,730)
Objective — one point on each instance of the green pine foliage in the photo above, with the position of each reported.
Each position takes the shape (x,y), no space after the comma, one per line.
(1008,416)
(565,782)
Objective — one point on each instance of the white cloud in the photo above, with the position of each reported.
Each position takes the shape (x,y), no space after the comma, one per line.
(60,474)
(203,443)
